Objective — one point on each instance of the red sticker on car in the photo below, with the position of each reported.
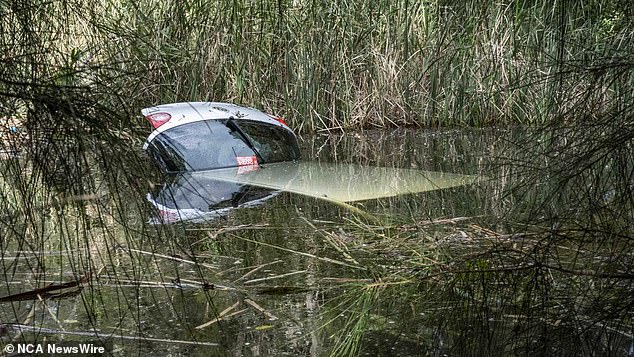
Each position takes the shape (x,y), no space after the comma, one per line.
(247,160)
(247,164)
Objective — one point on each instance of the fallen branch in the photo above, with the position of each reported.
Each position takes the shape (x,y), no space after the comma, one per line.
(261,309)
(50,291)
(220,231)
(275,277)
(41,330)
(222,315)
(177,259)
(256,269)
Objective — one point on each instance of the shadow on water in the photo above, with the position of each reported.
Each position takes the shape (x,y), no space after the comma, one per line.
(456,271)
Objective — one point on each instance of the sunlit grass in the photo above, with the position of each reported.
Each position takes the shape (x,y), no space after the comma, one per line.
(341,66)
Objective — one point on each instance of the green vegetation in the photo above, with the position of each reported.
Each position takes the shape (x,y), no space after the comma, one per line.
(538,260)
(329,65)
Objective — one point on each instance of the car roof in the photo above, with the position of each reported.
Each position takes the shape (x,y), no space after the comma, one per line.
(189,112)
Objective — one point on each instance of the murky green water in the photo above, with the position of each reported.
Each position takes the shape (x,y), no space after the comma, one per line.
(298,275)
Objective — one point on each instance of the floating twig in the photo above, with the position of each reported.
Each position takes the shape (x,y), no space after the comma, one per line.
(223,314)
(28,328)
(46,292)
(256,269)
(240,227)
(182,283)
(446,220)
(346,280)
(50,312)
(261,309)
(333,261)
(177,259)
(275,277)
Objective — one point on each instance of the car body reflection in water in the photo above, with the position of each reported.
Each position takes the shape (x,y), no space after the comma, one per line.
(186,198)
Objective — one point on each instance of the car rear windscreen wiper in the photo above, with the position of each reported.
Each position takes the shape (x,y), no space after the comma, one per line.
(235,127)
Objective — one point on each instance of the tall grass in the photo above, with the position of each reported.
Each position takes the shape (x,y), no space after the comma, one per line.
(346,65)
(74,74)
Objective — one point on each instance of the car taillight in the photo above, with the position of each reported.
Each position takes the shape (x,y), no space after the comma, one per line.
(158,119)
(281,120)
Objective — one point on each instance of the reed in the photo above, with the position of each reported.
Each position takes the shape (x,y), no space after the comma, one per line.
(73,75)
(344,65)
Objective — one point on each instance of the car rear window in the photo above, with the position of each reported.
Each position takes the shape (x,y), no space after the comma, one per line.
(210,144)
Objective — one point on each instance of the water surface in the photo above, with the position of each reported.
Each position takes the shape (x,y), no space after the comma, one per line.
(296,274)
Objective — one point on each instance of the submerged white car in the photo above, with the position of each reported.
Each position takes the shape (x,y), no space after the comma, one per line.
(225,157)
(196,136)
(201,136)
